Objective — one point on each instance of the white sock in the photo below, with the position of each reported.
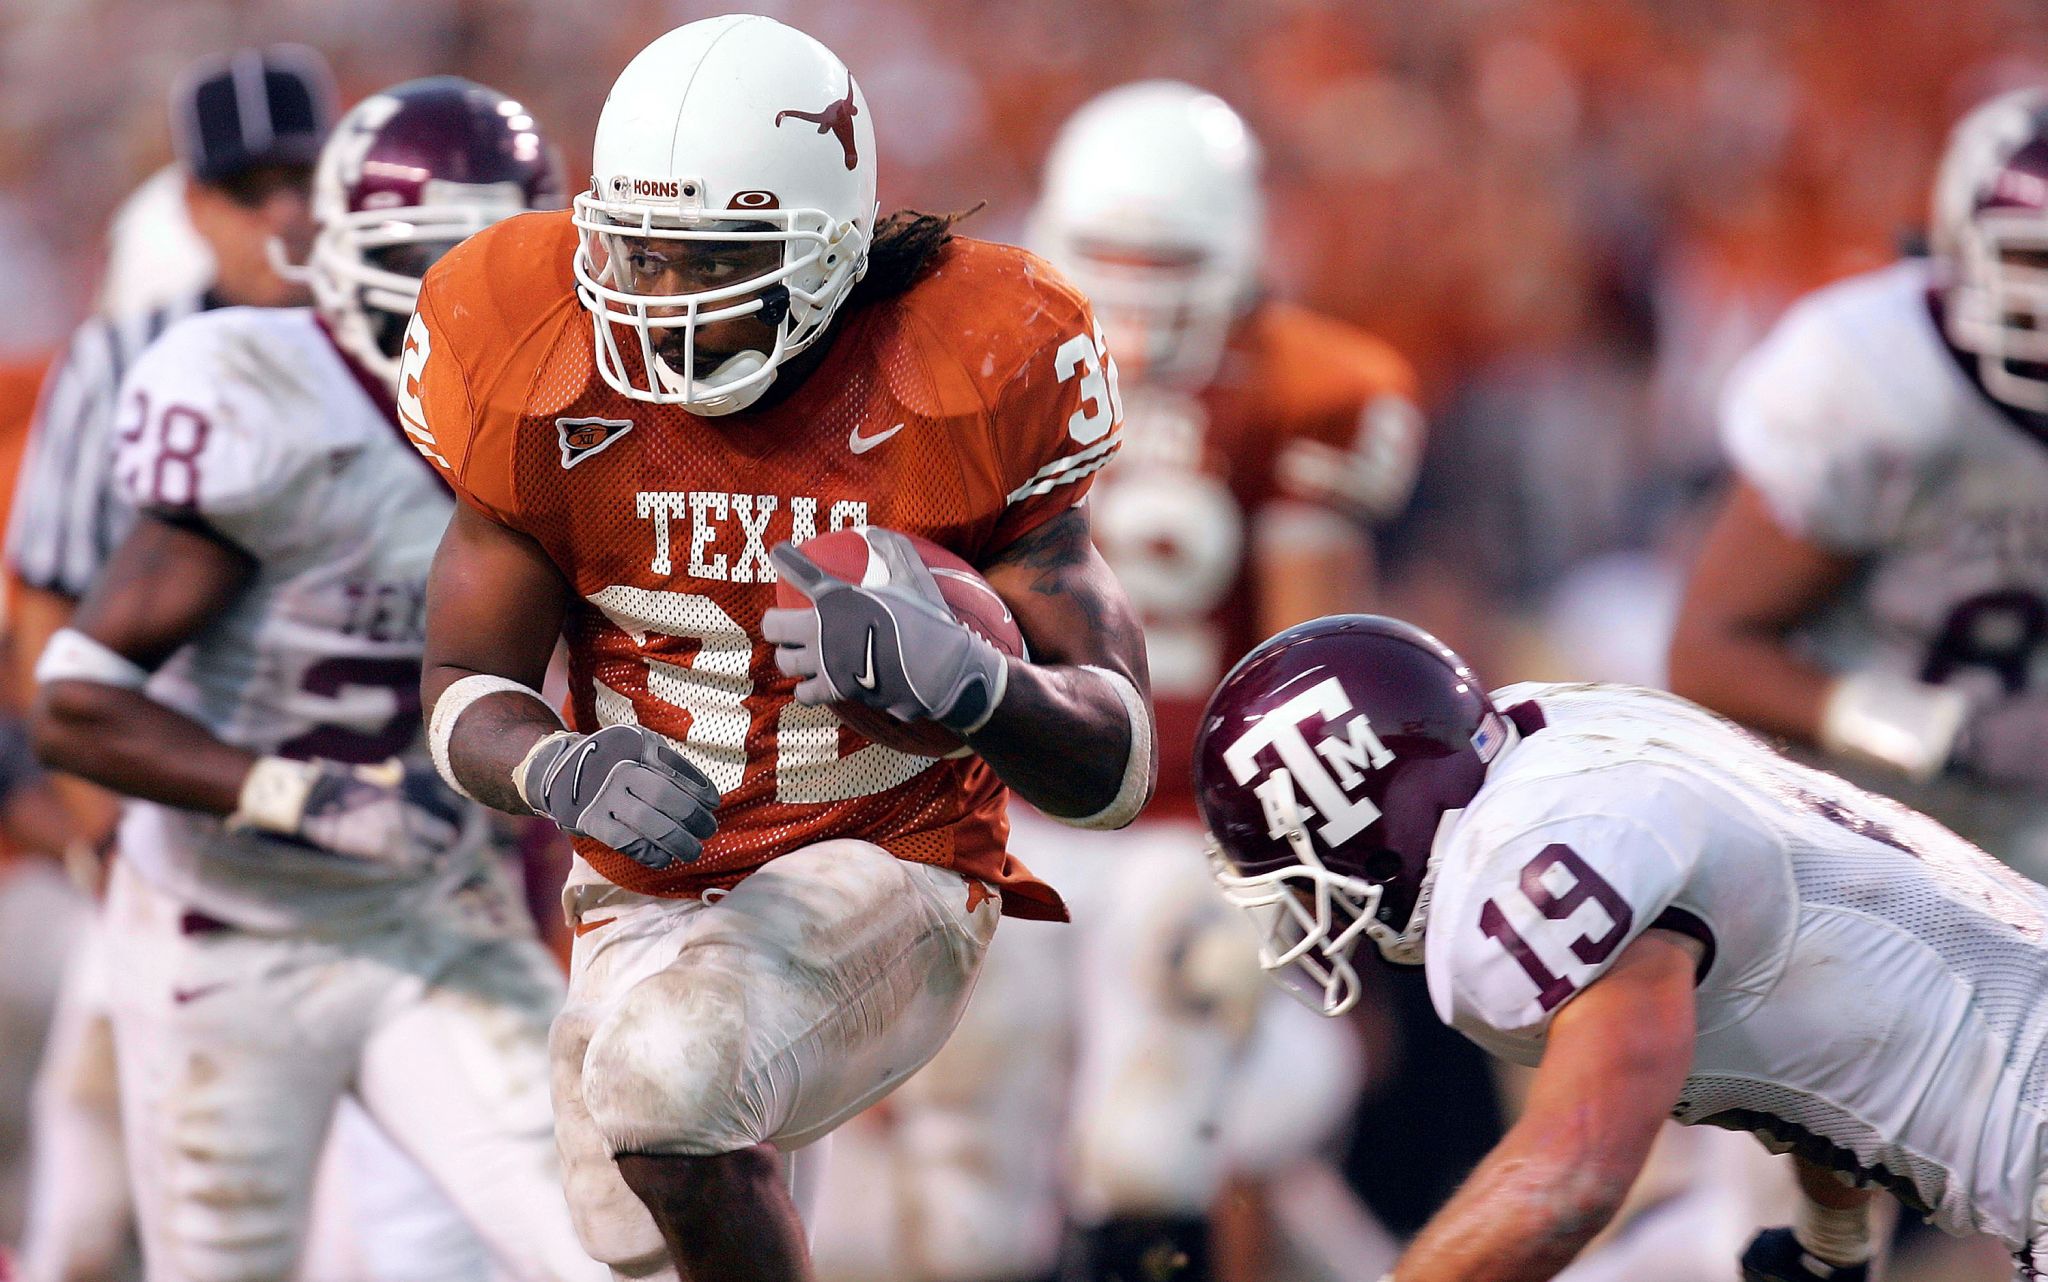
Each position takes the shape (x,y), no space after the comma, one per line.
(1839,1237)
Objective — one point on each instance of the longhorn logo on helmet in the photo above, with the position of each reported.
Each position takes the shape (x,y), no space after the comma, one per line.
(834,118)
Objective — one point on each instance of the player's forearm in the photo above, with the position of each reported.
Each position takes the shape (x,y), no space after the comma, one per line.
(1524,1214)
(1750,674)
(128,742)
(1755,583)
(1073,733)
(1064,737)
(483,740)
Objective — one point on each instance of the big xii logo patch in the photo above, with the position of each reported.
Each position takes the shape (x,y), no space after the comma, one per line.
(584,437)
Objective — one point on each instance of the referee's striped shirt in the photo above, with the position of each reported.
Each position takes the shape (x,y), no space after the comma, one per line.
(66,521)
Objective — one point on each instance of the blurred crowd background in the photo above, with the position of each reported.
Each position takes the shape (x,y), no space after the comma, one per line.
(1571,214)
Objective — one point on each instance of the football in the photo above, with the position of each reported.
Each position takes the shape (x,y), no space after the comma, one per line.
(847,554)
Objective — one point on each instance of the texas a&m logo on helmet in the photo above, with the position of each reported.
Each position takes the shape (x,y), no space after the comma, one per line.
(1324,766)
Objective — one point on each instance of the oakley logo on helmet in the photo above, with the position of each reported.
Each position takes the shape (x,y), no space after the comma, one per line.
(755,200)
(834,118)
(1325,770)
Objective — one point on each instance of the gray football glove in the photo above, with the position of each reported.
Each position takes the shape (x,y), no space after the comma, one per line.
(399,816)
(896,647)
(625,787)
(2007,741)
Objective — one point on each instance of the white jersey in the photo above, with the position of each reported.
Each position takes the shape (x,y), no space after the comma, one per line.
(249,423)
(1872,993)
(1864,435)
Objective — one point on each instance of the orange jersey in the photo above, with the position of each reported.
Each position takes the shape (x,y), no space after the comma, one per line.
(1301,408)
(969,409)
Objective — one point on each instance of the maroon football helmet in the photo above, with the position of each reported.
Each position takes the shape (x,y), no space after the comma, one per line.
(1324,766)
(1990,241)
(406,175)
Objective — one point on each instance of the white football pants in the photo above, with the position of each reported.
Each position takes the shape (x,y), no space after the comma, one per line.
(234,1048)
(767,1015)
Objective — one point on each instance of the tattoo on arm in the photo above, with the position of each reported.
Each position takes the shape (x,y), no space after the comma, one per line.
(1072,611)
(1088,620)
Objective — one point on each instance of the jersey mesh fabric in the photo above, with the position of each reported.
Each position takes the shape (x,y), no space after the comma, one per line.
(1997,953)
(931,412)
(1794,1121)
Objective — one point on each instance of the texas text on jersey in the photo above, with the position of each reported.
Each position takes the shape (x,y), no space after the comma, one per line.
(969,410)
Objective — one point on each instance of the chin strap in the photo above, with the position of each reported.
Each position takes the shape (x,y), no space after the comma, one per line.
(730,370)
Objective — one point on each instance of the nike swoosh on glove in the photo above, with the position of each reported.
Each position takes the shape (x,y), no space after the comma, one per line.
(625,787)
(896,647)
(1776,1256)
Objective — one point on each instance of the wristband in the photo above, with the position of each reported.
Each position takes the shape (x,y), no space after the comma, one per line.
(1135,788)
(455,701)
(71,655)
(273,796)
(1894,721)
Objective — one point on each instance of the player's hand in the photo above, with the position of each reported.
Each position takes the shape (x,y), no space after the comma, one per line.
(1776,1256)
(896,647)
(2007,741)
(402,817)
(625,787)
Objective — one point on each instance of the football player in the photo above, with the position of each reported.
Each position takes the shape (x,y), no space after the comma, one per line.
(247,127)
(1664,917)
(1261,444)
(1876,583)
(301,910)
(647,406)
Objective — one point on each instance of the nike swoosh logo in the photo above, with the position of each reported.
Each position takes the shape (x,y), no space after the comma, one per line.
(865,678)
(585,927)
(862,444)
(184,995)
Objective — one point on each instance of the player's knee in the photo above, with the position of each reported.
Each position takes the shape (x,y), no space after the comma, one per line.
(667,1072)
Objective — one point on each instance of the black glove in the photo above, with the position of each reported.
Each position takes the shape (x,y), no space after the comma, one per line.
(2007,741)
(623,786)
(1776,1256)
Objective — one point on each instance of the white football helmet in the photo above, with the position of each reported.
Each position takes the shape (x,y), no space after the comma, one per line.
(1990,238)
(735,129)
(406,175)
(1152,205)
